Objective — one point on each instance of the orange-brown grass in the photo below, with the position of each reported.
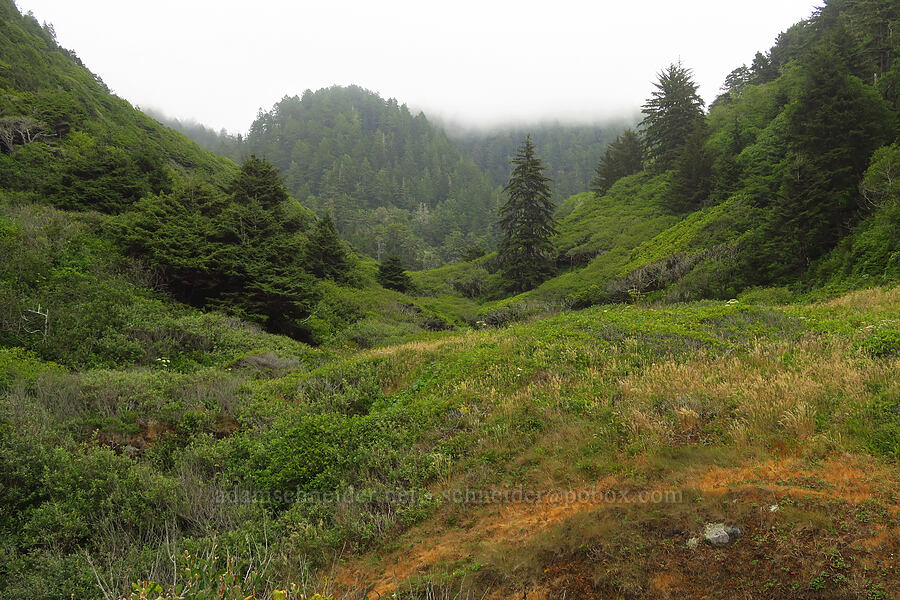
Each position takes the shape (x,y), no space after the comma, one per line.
(837,508)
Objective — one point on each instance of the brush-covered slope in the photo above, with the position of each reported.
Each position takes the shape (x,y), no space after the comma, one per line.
(185,224)
(64,138)
(403,469)
(796,167)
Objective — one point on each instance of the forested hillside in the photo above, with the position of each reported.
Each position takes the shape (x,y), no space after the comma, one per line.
(66,139)
(569,152)
(394,183)
(787,179)
(148,215)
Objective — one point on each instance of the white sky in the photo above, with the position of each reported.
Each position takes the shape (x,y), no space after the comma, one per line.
(474,62)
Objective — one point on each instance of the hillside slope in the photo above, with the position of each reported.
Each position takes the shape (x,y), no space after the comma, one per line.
(791,183)
(64,138)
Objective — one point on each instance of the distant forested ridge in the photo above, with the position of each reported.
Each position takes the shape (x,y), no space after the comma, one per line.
(569,152)
(395,182)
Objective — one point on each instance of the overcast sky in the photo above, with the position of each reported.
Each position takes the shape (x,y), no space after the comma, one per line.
(475,62)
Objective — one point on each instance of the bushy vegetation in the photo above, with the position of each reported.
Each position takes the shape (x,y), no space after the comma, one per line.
(156,442)
(310,459)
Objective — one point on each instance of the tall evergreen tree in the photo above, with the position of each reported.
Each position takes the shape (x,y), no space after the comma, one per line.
(259,255)
(526,252)
(832,129)
(623,157)
(670,116)
(258,180)
(691,186)
(393,276)
(325,255)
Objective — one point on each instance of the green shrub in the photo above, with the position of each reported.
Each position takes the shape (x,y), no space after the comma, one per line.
(767,295)
(877,424)
(22,365)
(882,342)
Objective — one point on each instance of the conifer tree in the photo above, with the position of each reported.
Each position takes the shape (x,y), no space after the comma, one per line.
(623,157)
(258,180)
(258,256)
(670,116)
(832,130)
(325,255)
(393,276)
(691,186)
(526,219)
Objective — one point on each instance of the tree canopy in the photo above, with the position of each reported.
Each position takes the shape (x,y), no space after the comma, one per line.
(671,115)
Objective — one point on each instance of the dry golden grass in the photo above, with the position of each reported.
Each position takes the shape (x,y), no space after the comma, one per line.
(775,387)
(879,298)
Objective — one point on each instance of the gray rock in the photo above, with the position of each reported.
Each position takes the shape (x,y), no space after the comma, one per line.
(693,543)
(719,534)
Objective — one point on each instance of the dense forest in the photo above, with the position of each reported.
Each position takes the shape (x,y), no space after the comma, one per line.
(569,152)
(395,183)
(279,365)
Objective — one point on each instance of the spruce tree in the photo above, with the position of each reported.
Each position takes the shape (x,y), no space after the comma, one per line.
(258,180)
(670,116)
(258,256)
(325,255)
(393,276)
(623,157)
(832,129)
(691,186)
(526,219)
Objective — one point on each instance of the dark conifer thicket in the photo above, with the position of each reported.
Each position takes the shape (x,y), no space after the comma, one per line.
(393,276)
(241,251)
(624,156)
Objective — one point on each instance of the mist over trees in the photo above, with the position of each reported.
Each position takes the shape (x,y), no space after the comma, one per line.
(426,201)
(569,152)
(393,182)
